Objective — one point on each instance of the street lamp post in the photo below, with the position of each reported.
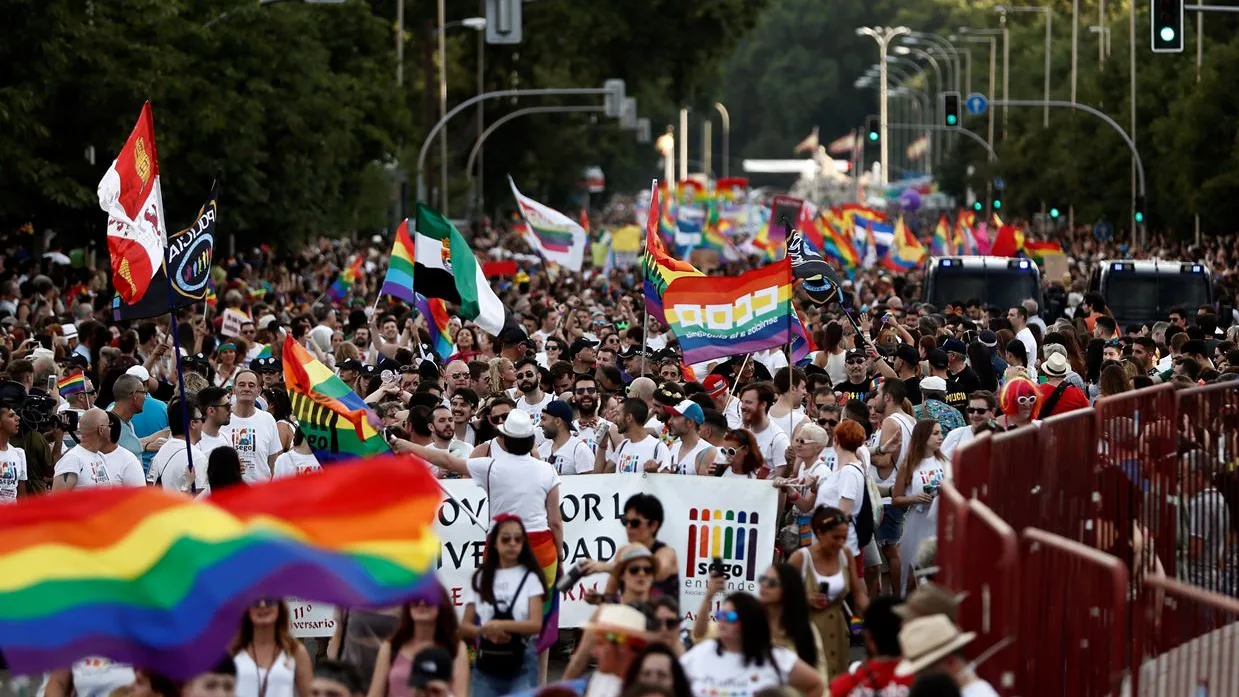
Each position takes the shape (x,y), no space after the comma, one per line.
(906,78)
(989,38)
(883,36)
(1049,24)
(475,152)
(722,111)
(935,136)
(476,24)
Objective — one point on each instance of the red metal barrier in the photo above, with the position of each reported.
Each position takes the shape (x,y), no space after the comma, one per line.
(1190,638)
(1073,628)
(952,519)
(1015,477)
(1138,435)
(1067,444)
(970,467)
(1209,478)
(992,584)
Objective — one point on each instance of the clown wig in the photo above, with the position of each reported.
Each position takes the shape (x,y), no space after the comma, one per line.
(1017,392)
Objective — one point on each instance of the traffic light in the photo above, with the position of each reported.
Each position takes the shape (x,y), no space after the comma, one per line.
(1054,213)
(1138,215)
(950,109)
(978,206)
(872,134)
(1166,18)
(997,203)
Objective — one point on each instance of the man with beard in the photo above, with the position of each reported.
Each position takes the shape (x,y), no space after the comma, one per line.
(755,402)
(982,408)
(637,451)
(590,426)
(532,399)
(1143,353)
(464,402)
(456,376)
(689,453)
(583,355)
(216,414)
(443,433)
(564,451)
(961,379)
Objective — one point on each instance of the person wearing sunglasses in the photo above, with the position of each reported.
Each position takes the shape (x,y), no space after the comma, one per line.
(743,660)
(427,621)
(1020,401)
(171,468)
(532,399)
(830,573)
(668,623)
(632,579)
(270,661)
(740,456)
(982,405)
(817,459)
(503,612)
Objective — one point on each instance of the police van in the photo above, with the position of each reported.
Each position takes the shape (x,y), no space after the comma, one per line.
(1000,281)
(1146,290)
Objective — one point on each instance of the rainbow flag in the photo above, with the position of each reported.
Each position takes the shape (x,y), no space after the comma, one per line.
(556,237)
(906,252)
(335,421)
(341,286)
(157,580)
(839,246)
(802,343)
(72,383)
(1038,250)
(668,217)
(715,317)
(399,280)
(659,267)
(435,312)
(942,244)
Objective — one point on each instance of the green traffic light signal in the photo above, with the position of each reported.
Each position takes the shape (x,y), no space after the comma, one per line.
(1167,34)
(976,206)
(873,136)
(951,119)
(997,204)
(1054,213)
(1139,216)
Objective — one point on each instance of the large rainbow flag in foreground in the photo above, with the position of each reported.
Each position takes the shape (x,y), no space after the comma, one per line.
(149,577)
(336,422)
(659,267)
(715,317)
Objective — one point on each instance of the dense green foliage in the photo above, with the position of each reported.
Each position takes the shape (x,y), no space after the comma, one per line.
(295,108)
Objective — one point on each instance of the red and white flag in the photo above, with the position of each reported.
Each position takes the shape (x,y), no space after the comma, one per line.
(129,193)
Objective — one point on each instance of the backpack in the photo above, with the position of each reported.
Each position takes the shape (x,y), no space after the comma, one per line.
(870,516)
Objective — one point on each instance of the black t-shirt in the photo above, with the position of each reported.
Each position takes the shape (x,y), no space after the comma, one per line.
(914,390)
(959,386)
(854,390)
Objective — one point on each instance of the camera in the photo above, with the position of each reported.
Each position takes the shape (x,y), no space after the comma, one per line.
(570,579)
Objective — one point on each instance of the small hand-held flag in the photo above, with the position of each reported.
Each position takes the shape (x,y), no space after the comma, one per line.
(129,193)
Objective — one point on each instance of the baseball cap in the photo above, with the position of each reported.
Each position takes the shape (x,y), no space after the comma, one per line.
(513,335)
(266,321)
(690,410)
(937,358)
(908,354)
(988,338)
(560,410)
(856,353)
(933,383)
(430,664)
(715,384)
(140,372)
(580,345)
(351,364)
(954,346)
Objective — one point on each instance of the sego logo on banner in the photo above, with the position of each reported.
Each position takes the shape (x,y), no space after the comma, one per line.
(726,535)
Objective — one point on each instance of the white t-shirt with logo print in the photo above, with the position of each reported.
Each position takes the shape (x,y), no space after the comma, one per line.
(630,457)
(93,469)
(255,438)
(12,472)
(713,675)
(573,457)
(293,463)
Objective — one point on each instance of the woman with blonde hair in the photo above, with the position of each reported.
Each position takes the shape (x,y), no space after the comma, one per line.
(270,662)
(502,376)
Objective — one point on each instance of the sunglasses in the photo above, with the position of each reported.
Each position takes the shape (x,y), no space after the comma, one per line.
(1028,400)
(640,570)
(769,581)
(728,616)
(634,522)
(526,376)
(669,623)
(806,441)
(498,419)
(459,376)
(728,451)
(587,390)
(265,602)
(977,410)
(856,361)
(829,422)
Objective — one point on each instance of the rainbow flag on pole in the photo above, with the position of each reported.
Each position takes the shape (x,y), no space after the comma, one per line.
(152,578)
(340,287)
(335,421)
(399,280)
(659,267)
(435,312)
(71,384)
(715,317)
(552,234)
(906,252)
(942,244)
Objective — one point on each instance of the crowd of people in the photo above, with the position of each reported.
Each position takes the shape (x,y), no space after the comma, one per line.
(857,439)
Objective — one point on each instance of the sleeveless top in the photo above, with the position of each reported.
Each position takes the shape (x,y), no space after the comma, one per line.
(398,676)
(670,586)
(279,680)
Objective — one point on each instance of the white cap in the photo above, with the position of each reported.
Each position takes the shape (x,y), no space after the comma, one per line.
(140,372)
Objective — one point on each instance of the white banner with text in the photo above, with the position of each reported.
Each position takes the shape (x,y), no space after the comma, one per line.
(705,517)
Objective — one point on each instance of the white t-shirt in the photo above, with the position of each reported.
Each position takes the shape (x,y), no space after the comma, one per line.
(980,688)
(573,457)
(534,410)
(1025,336)
(506,582)
(171,466)
(630,457)
(12,471)
(97,677)
(293,463)
(773,442)
(847,482)
(207,442)
(790,421)
(516,484)
(591,436)
(256,439)
(823,466)
(92,469)
(127,465)
(957,438)
(734,418)
(686,462)
(712,675)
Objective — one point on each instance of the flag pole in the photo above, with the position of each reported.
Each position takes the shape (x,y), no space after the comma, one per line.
(791,288)
(180,373)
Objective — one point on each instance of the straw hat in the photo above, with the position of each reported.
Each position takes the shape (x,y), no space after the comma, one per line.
(927,640)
